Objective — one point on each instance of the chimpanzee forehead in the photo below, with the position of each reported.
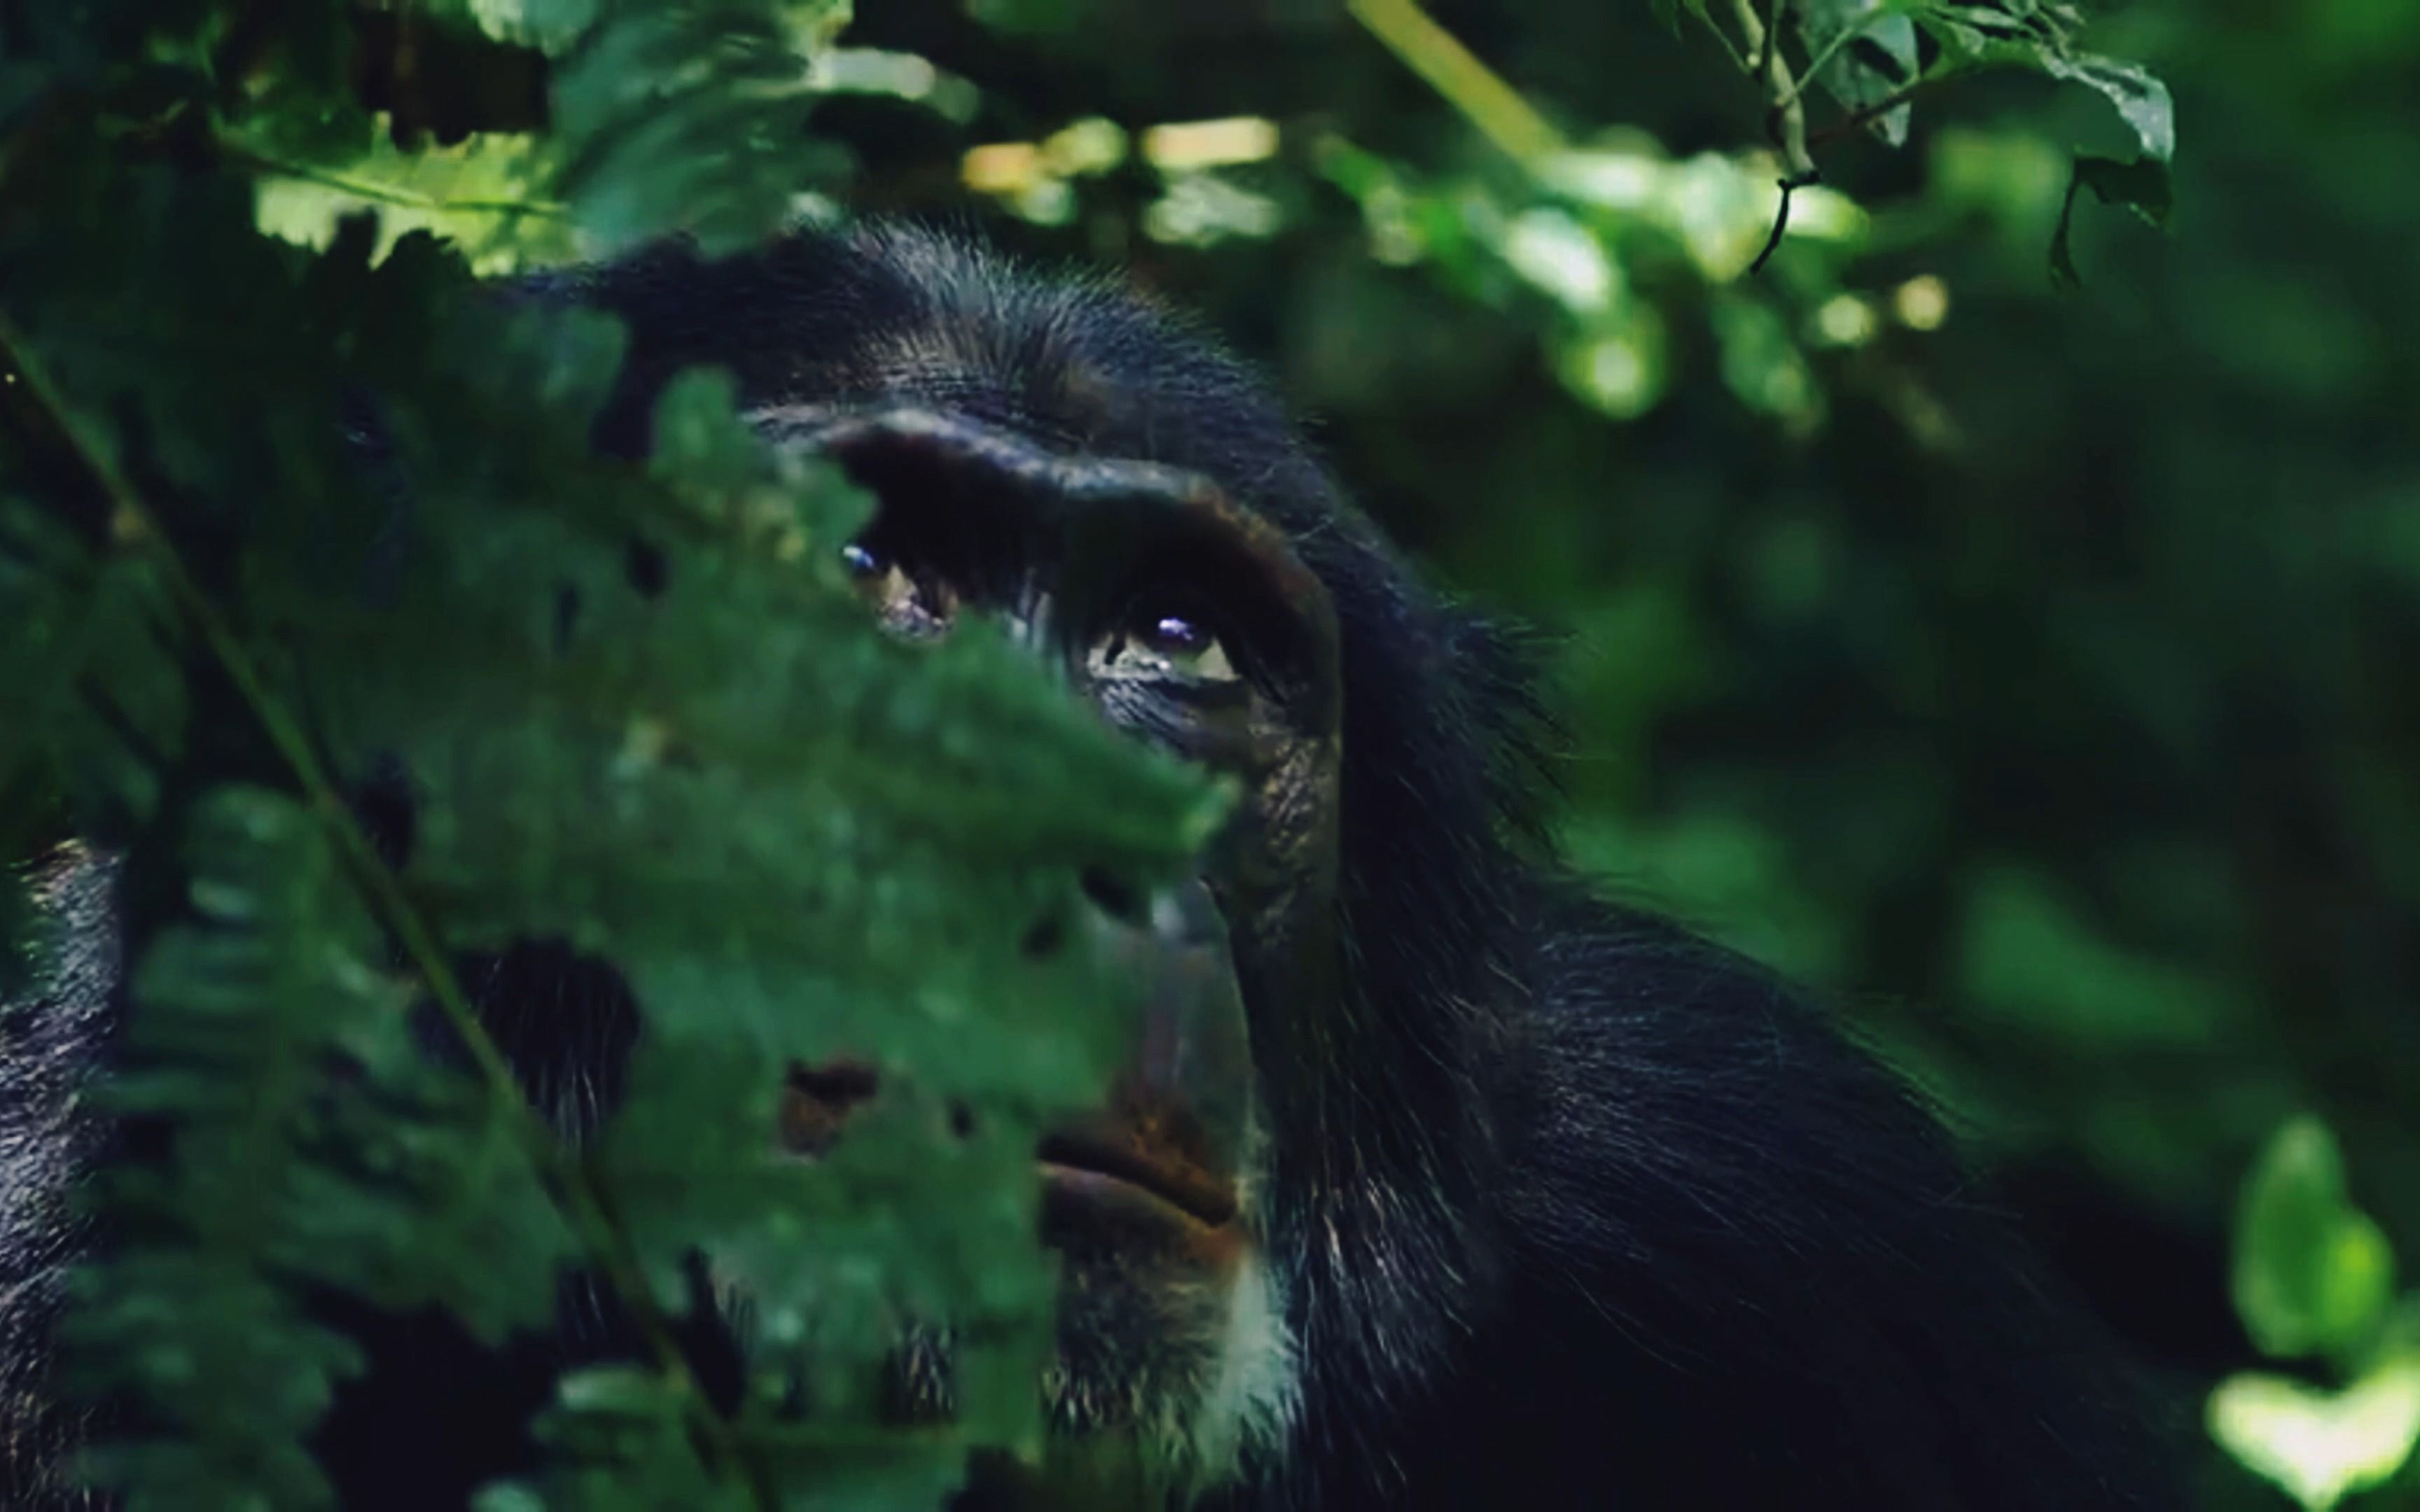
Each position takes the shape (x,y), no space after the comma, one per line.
(886,317)
(882,317)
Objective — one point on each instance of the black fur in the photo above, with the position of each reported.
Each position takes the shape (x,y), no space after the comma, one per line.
(1570,1208)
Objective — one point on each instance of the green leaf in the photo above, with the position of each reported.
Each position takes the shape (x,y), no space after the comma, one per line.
(311,1141)
(486,195)
(2320,1445)
(550,24)
(2042,40)
(673,116)
(2312,1273)
(1869,53)
(2141,101)
(92,707)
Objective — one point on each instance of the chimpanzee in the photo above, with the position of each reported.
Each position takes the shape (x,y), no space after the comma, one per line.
(1446,1185)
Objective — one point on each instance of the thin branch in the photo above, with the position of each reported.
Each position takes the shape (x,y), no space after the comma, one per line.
(243,157)
(605,1241)
(1785,115)
(1730,49)
(1785,122)
(1822,55)
(1780,224)
(1866,115)
(1468,84)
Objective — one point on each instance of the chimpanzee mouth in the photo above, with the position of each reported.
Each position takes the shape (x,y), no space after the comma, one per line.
(1087,1165)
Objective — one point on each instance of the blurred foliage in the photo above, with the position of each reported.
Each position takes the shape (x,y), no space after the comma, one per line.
(2028,665)
(2314,1277)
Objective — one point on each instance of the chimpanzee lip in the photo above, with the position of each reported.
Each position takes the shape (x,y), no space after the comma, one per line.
(1166,1177)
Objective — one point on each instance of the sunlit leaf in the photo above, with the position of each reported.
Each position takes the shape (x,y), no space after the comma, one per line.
(2312,1273)
(2320,1445)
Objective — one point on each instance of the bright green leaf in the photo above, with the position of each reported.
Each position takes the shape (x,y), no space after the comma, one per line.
(2312,1273)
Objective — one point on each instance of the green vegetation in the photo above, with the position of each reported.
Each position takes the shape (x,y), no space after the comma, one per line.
(2029,662)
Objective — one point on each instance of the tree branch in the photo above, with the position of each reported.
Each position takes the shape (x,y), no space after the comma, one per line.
(1468,84)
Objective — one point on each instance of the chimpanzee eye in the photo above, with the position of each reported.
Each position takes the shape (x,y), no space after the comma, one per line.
(863,561)
(903,605)
(1162,641)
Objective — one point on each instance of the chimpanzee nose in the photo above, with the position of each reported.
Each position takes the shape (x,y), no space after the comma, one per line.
(1189,1080)
(817,1100)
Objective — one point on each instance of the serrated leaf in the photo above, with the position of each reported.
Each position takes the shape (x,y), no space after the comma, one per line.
(2312,1273)
(485,195)
(691,119)
(311,1139)
(92,707)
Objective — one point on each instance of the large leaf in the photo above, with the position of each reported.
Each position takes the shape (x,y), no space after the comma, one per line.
(311,1141)
(1868,49)
(2313,1274)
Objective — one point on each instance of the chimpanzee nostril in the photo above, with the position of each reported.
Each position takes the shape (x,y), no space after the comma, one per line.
(1045,938)
(843,1084)
(1115,896)
(817,1100)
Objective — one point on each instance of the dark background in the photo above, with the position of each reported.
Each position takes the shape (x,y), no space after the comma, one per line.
(2037,671)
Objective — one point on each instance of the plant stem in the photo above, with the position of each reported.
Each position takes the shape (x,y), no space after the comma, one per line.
(1866,115)
(1468,84)
(1786,117)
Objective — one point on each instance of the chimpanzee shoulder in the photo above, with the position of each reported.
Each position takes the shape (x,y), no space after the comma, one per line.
(1747,1266)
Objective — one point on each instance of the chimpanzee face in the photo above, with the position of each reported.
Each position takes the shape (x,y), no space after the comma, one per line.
(1188,621)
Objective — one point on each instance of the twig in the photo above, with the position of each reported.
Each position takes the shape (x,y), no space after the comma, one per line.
(1785,122)
(1468,84)
(1739,59)
(1866,115)
(1821,55)
(1785,116)
(1780,222)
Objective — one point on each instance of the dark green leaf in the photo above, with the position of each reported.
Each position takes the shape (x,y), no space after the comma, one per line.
(1869,52)
(2313,1274)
